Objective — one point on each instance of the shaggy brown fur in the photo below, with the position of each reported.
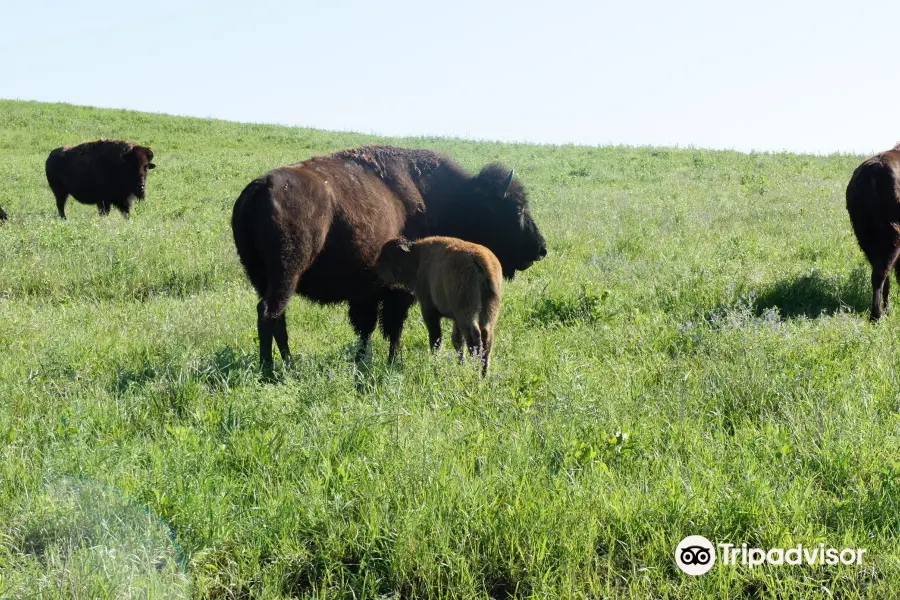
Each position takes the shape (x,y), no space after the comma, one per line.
(873,201)
(105,172)
(450,278)
(316,228)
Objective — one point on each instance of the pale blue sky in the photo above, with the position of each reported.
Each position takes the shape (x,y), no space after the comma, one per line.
(765,75)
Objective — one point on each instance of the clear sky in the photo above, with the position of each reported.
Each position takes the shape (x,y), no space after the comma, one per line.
(764,75)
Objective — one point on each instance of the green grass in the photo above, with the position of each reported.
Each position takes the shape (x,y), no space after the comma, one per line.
(693,357)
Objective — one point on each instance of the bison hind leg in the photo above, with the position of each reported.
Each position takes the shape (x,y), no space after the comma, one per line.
(882,265)
(271,321)
(61,197)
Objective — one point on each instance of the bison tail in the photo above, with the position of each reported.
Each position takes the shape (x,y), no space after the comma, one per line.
(245,239)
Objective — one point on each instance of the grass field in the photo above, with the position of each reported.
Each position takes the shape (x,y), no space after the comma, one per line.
(693,357)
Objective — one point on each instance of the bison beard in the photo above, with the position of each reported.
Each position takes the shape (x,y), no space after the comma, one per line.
(106,173)
(873,203)
(317,227)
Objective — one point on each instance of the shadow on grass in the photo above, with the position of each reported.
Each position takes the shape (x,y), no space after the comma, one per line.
(222,370)
(814,295)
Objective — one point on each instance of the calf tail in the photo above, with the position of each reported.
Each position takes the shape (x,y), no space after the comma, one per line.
(489,286)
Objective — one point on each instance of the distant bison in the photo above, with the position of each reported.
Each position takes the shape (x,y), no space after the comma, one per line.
(317,227)
(873,201)
(3,216)
(106,173)
(450,278)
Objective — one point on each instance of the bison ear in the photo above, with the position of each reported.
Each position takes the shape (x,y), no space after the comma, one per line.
(151,166)
(504,187)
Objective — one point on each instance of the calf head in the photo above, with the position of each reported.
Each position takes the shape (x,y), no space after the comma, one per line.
(138,161)
(397,263)
(507,228)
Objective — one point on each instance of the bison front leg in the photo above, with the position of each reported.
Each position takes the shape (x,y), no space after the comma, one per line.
(364,319)
(394,310)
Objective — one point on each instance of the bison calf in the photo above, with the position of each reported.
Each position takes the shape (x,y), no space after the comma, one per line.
(873,201)
(105,172)
(451,278)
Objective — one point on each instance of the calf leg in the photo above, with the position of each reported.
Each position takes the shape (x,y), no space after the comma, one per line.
(457,339)
(364,318)
(487,340)
(472,335)
(432,318)
(395,307)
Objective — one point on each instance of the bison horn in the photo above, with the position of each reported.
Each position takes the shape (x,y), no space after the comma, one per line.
(504,187)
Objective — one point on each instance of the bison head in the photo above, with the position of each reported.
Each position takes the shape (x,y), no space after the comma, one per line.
(397,264)
(139,161)
(508,228)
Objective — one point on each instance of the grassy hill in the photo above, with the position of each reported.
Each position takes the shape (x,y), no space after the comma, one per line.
(693,357)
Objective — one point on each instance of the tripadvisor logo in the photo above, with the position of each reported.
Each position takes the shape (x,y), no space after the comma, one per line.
(696,555)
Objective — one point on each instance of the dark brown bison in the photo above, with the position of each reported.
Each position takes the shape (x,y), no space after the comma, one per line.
(106,173)
(450,278)
(317,227)
(873,201)
(3,216)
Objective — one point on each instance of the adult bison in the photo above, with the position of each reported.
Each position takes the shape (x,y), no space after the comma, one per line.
(105,172)
(873,201)
(317,227)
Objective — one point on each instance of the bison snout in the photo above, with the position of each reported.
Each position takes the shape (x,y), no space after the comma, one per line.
(542,253)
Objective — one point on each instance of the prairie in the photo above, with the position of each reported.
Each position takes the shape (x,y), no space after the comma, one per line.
(693,357)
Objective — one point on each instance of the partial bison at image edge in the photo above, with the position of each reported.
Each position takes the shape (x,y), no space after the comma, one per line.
(3,216)
(316,228)
(105,173)
(873,202)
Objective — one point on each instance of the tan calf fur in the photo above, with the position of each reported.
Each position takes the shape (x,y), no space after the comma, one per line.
(451,278)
